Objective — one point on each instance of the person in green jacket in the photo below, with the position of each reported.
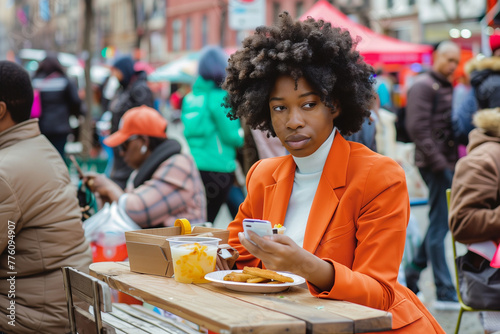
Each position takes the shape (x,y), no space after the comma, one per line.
(212,137)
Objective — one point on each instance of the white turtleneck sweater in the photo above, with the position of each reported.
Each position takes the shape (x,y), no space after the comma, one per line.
(305,184)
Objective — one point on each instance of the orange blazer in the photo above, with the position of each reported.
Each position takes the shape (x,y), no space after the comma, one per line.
(357,222)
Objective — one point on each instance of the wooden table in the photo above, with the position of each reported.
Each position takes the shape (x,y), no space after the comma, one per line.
(225,311)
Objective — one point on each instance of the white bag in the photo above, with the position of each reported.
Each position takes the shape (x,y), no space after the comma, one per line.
(111,218)
(106,233)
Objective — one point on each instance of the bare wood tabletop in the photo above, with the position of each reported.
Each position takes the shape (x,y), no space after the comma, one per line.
(225,311)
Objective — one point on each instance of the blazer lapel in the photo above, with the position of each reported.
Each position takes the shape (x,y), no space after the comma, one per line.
(276,195)
(325,200)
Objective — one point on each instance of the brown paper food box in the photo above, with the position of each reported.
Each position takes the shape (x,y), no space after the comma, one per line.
(149,251)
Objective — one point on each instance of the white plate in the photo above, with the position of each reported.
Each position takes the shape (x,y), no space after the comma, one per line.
(218,277)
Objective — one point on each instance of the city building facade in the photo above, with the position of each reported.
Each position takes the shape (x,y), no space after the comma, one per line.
(431,21)
(159,30)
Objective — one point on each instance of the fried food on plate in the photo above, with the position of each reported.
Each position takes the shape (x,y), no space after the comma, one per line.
(258,280)
(257,275)
(272,275)
(238,277)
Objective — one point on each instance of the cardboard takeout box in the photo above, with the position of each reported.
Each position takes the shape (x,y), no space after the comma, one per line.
(149,251)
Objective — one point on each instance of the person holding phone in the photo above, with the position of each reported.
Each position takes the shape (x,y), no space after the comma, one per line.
(345,207)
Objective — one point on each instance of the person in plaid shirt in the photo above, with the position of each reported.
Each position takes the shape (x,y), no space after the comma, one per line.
(165,184)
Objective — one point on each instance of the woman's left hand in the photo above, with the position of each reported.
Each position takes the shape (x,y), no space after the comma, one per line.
(280,253)
(277,252)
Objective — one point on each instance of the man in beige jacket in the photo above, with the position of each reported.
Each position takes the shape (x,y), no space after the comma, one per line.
(40,220)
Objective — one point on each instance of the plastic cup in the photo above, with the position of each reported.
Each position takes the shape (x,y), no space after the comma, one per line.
(193,258)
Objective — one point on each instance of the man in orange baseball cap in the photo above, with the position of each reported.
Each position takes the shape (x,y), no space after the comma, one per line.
(165,184)
(143,120)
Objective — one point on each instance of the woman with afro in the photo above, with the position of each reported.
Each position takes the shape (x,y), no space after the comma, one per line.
(345,208)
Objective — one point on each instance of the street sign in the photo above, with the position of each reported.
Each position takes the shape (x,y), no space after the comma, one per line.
(246,14)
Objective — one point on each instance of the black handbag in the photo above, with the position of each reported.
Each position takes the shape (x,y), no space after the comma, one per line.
(479,283)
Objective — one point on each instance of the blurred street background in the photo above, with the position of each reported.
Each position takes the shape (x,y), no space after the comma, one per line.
(164,38)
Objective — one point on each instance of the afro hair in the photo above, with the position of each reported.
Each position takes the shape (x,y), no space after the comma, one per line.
(324,55)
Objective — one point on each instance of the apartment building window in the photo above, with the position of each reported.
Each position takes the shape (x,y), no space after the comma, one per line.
(276,11)
(157,43)
(72,31)
(189,34)
(390,3)
(44,10)
(299,8)
(411,2)
(158,8)
(59,7)
(121,25)
(204,30)
(401,33)
(104,20)
(177,34)
(65,7)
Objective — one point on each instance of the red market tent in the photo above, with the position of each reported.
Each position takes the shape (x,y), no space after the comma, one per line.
(375,48)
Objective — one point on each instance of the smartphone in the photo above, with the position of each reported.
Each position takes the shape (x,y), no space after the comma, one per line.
(259,226)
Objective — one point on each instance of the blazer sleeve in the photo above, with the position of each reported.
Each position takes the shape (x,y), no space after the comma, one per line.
(246,210)
(380,238)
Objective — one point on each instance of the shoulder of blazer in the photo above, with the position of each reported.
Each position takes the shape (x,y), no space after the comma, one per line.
(272,168)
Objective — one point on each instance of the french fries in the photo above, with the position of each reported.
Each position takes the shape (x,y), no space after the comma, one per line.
(258,280)
(238,277)
(257,275)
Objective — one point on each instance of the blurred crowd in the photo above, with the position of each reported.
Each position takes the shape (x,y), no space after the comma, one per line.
(425,120)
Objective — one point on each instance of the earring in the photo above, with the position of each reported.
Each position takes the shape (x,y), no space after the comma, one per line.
(144,149)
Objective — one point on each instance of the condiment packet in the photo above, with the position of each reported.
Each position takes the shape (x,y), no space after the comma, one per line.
(228,253)
(279,229)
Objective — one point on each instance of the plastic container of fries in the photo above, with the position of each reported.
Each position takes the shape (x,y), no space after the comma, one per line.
(193,258)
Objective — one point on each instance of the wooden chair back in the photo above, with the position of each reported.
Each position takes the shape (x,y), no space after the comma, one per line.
(90,291)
